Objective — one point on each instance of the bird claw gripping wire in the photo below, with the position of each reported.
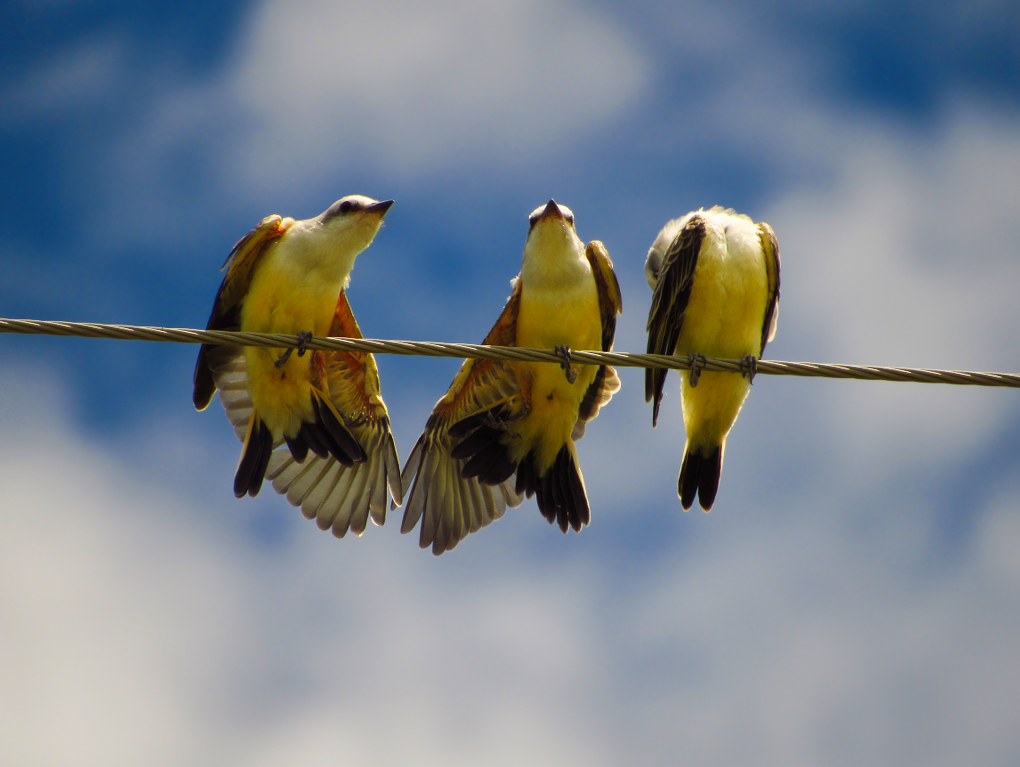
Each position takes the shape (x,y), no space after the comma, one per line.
(304,337)
(697,363)
(564,351)
(749,367)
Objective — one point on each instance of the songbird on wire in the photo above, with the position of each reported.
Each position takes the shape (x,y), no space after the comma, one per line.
(506,429)
(290,277)
(715,277)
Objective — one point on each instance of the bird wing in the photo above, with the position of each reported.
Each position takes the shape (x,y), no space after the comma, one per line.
(606,382)
(770,247)
(334,495)
(483,397)
(226,312)
(669,302)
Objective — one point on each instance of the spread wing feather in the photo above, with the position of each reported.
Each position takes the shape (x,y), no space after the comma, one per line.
(450,505)
(669,302)
(338,497)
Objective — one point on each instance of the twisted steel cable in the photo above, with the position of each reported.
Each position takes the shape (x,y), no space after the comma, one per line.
(477,351)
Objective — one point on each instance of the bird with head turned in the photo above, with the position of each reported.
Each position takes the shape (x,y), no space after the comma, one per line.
(715,281)
(290,277)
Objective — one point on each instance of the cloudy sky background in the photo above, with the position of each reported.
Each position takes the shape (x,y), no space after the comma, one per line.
(853,598)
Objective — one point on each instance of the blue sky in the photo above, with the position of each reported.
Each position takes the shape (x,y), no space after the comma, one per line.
(852,598)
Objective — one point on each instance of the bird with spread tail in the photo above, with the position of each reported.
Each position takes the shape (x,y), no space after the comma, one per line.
(715,281)
(504,430)
(290,277)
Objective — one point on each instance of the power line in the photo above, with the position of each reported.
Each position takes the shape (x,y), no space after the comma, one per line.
(477,351)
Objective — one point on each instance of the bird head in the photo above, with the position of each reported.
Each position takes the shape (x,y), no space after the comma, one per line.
(550,223)
(355,219)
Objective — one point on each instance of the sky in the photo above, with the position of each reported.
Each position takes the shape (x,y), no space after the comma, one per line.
(854,596)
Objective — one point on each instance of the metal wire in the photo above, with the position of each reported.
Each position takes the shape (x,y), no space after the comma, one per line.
(477,351)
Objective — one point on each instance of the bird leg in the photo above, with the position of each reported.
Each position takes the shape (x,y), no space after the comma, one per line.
(564,351)
(749,367)
(304,337)
(697,363)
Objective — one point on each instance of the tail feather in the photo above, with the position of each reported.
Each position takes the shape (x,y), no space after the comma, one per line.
(699,476)
(254,459)
(566,495)
(298,447)
(560,492)
(487,457)
(582,510)
(339,440)
(313,438)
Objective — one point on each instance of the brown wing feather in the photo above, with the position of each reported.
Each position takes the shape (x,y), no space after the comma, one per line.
(433,480)
(337,496)
(770,247)
(469,392)
(669,302)
(226,311)
(606,382)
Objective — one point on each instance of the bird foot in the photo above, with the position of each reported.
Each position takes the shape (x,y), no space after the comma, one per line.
(749,367)
(564,351)
(697,363)
(303,338)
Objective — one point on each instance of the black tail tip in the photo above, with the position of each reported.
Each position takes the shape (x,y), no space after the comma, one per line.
(254,462)
(560,491)
(699,477)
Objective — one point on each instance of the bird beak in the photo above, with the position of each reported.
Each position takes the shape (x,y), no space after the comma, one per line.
(379,208)
(552,210)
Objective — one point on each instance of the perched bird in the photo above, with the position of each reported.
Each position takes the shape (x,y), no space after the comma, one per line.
(506,429)
(715,277)
(289,276)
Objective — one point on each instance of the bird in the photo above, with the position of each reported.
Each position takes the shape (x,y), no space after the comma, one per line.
(288,276)
(715,281)
(505,430)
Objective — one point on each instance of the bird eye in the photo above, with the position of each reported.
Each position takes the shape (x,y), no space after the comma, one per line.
(569,219)
(346,206)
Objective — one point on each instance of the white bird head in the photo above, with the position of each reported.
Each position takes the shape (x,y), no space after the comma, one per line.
(355,218)
(550,225)
(653,262)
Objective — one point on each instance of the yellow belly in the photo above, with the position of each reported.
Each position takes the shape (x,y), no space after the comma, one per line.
(571,319)
(279,301)
(724,318)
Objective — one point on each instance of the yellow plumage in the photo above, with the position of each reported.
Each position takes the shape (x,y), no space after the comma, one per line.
(715,277)
(504,430)
(288,277)
(559,307)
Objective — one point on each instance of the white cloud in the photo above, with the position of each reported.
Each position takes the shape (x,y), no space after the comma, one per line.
(811,621)
(909,258)
(414,85)
(144,623)
(804,646)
